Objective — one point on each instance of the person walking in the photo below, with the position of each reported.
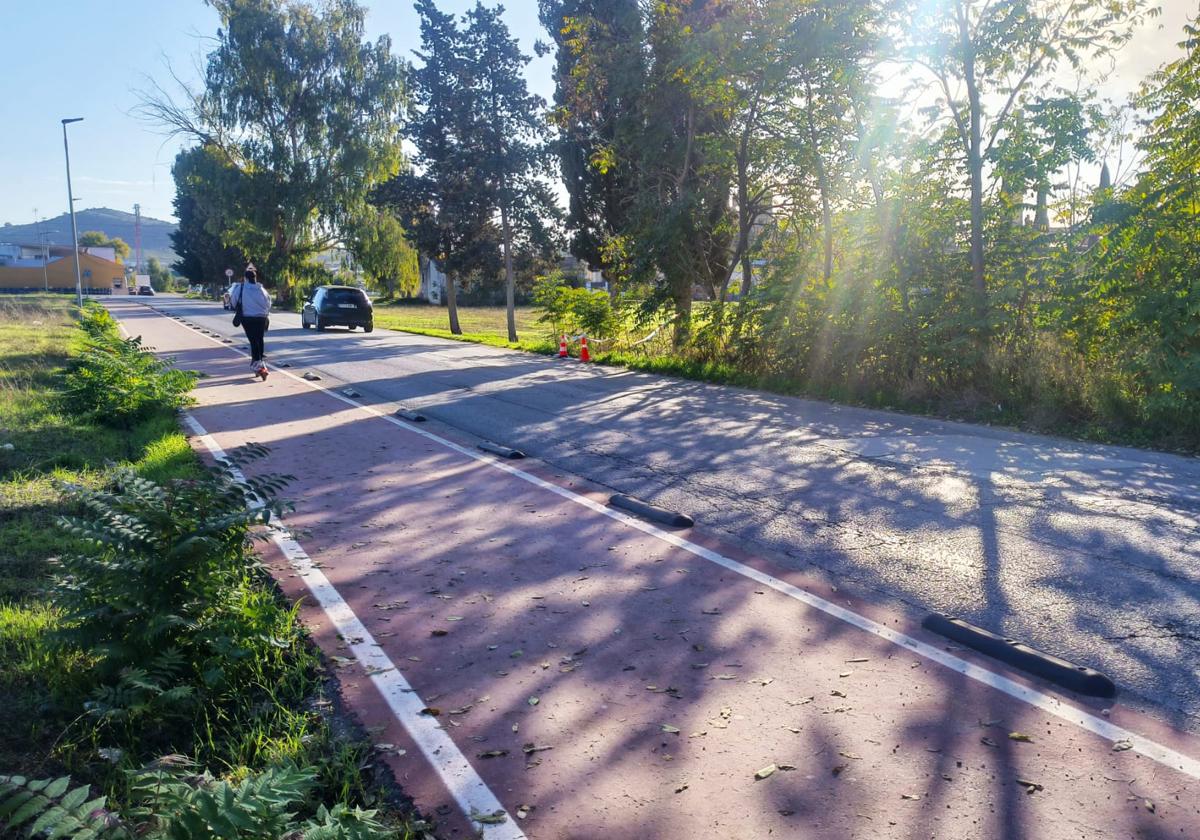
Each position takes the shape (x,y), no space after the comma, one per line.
(253,307)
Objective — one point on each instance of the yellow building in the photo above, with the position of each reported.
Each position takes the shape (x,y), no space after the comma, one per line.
(19,273)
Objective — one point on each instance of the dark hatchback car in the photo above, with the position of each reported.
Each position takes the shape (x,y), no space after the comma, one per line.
(338,306)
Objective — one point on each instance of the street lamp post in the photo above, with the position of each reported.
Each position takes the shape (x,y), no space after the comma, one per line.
(71,204)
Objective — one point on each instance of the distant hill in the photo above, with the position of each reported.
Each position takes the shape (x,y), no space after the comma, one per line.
(155,232)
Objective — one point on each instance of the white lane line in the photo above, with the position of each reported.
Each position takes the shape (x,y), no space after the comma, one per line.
(470,791)
(1052,705)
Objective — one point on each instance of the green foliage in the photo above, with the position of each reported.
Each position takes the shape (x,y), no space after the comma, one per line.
(102,240)
(175,800)
(573,310)
(302,118)
(52,808)
(381,247)
(114,380)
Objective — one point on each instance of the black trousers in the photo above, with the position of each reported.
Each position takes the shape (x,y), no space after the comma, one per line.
(255,329)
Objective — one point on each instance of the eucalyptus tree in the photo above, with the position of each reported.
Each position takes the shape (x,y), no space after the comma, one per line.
(304,112)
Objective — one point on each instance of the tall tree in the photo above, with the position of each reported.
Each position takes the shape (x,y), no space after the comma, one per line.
(304,111)
(599,74)
(202,254)
(985,56)
(506,136)
(436,201)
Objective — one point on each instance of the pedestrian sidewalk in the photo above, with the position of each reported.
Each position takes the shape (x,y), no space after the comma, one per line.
(514,644)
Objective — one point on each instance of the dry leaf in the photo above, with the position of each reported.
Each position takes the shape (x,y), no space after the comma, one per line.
(431,711)
(987,742)
(492,754)
(463,710)
(1020,736)
(682,787)
(837,769)
(850,755)
(713,611)
(533,701)
(765,772)
(523,811)
(1029,786)
(914,797)
(787,766)
(836,693)
(439,632)
(454,618)
(860,659)
(763,681)
(1121,746)
(1149,805)
(724,676)
(531,748)
(673,730)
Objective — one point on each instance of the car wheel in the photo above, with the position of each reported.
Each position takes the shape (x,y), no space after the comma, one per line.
(320,324)
(350,327)
(368,327)
(303,322)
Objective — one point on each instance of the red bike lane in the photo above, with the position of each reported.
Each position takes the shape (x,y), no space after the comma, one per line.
(513,642)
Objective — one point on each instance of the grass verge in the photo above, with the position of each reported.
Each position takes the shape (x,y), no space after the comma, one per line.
(258,706)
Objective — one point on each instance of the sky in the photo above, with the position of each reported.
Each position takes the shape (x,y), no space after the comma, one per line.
(87,58)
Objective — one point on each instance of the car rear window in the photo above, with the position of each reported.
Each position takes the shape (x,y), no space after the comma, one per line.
(334,297)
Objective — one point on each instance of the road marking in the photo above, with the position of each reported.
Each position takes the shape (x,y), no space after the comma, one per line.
(469,790)
(1052,705)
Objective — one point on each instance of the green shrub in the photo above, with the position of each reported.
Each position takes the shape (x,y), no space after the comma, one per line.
(573,310)
(154,597)
(114,381)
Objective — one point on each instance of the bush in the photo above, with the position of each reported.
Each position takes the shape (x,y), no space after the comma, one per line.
(153,597)
(573,310)
(114,381)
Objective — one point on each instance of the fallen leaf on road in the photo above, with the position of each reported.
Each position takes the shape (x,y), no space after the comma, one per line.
(385,747)
(787,766)
(439,632)
(523,811)
(850,755)
(837,769)
(1020,736)
(792,729)
(531,748)
(1029,786)
(533,701)
(1121,746)
(492,754)
(517,654)
(836,693)
(860,659)
(370,672)
(682,787)
(494,818)
(765,772)
(463,710)
(454,618)
(802,701)
(987,742)
(914,797)
(763,681)
(845,673)
(724,676)
(1149,805)
(713,611)
(342,662)
(431,711)
(673,730)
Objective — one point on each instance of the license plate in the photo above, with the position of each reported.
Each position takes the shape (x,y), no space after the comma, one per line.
(347,306)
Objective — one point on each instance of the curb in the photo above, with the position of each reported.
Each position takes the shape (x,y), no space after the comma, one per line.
(502,451)
(1077,678)
(653,512)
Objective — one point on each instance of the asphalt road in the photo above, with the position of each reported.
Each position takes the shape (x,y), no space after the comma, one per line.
(1089,552)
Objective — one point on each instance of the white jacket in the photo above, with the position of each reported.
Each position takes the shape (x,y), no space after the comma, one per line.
(256,303)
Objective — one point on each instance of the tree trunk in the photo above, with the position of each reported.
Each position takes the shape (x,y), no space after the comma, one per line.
(452,305)
(510,284)
(824,188)
(975,170)
(681,295)
(747,275)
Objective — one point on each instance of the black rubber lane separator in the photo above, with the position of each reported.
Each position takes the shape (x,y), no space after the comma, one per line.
(1078,678)
(648,511)
(409,414)
(502,451)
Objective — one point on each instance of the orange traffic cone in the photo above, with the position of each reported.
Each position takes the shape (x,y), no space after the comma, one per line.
(562,347)
(583,351)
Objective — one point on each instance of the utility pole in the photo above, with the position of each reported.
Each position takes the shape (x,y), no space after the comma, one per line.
(71,205)
(137,238)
